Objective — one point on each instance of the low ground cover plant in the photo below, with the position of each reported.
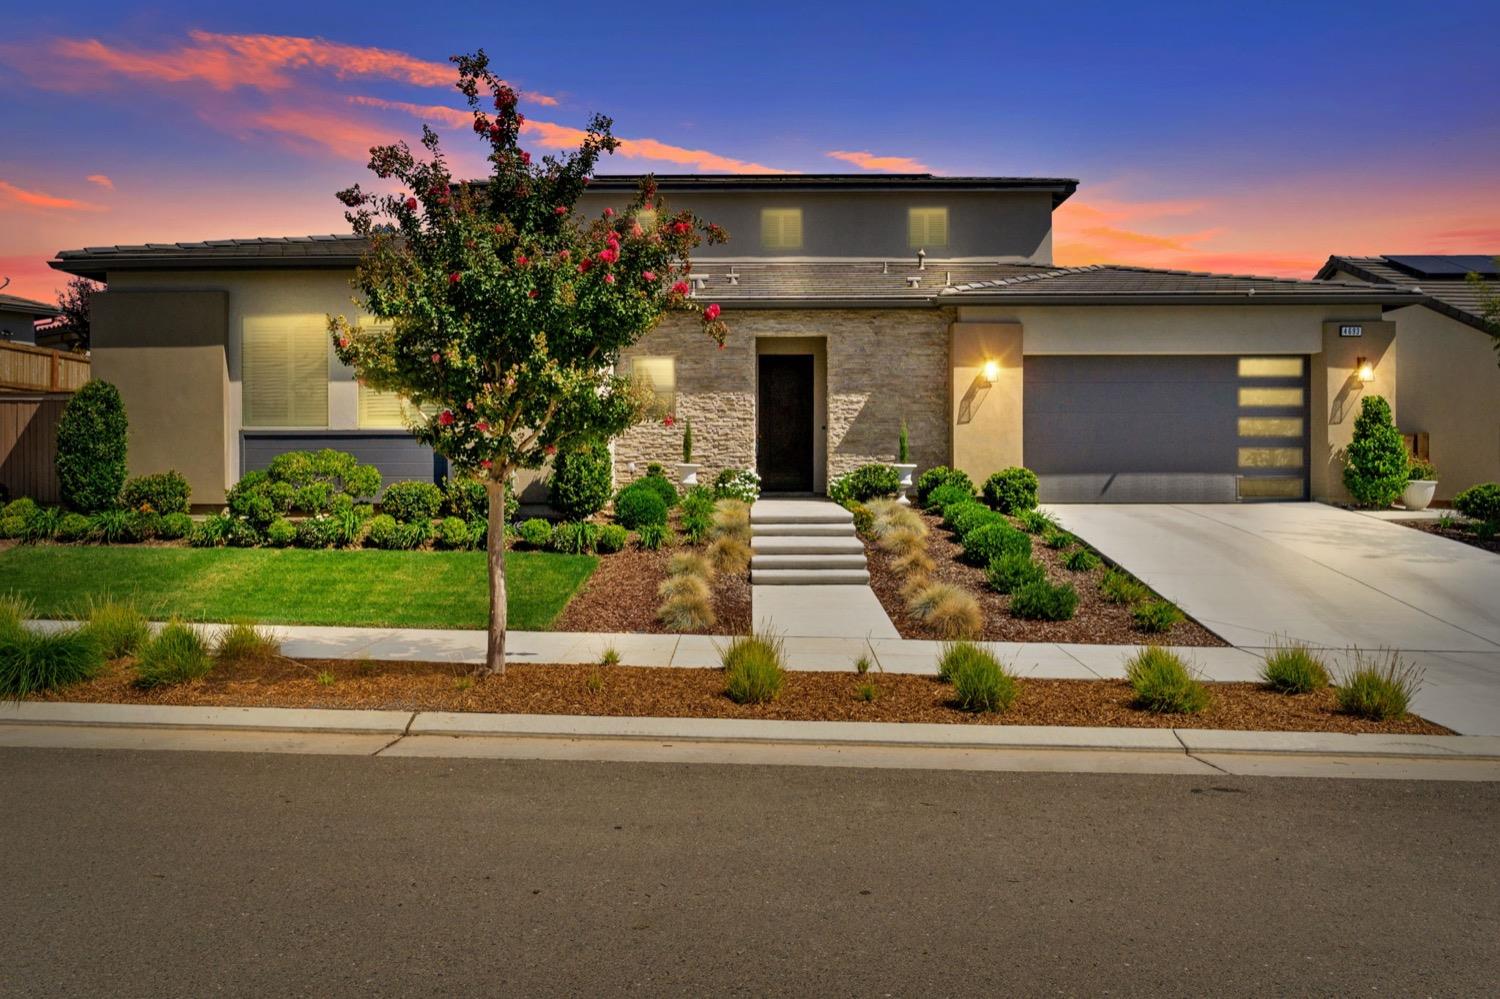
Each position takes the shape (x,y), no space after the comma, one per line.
(737,484)
(1119,587)
(1040,600)
(1081,560)
(1010,572)
(754,668)
(1156,616)
(1036,522)
(1378,687)
(32,661)
(178,654)
(1293,668)
(1163,683)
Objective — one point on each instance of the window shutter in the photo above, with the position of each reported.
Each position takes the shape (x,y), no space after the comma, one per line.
(379,410)
(284,372)
(927,227)
(781,228)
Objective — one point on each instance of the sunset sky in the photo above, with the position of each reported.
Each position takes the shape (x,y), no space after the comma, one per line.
(1253,138)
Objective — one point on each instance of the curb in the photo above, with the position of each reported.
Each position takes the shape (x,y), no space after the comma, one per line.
(310,720)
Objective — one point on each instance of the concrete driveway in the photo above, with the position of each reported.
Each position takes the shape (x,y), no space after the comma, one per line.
(1325,576)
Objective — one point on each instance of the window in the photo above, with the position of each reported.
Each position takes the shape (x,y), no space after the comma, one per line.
(284,372)
(658,376)
(1270,397)
(1270,457)
(927,228)
(1270,426)
(1271,487)
(781,228)
(1270,367)
(378,410)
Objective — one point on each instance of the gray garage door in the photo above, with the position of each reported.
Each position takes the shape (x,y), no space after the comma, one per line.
(1160,429)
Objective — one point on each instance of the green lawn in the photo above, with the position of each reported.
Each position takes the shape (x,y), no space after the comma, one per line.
(294,586)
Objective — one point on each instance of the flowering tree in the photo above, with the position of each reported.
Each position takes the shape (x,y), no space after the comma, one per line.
(502,315)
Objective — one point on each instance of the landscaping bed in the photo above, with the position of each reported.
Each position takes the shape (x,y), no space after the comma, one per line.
(577,689)
(621,596)
(1456,531)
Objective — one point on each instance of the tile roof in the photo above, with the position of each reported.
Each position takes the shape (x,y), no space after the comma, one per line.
(1061,187)
(1118,281)
(1453,297)
(15,303)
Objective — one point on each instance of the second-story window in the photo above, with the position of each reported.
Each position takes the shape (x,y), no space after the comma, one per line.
(781,228)
(927,228)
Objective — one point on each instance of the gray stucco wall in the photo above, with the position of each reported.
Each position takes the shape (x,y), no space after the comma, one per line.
(16,327)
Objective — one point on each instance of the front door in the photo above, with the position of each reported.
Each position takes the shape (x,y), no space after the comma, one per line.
(784,423)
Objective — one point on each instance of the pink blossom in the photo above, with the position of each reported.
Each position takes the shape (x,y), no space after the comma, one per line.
(411,204)
(469,405)
(522,261)
(680,288)
(668,421)
(609,213)
(608,256)
(525,158)
(482,427)
(343,342)
(563,254)
(560,210)
(584,265)
(445,418)
(711,312)
(682,228)
(609,279)
(437,358)
(648,275)
(486,463)
(550,449)
(495,129)
(636,230)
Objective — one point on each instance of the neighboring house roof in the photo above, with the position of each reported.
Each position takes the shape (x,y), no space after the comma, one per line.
(265,251)
(1439,279)
(14,303)
(1060,187)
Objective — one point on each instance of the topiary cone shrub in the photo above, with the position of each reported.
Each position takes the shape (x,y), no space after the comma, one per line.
(91,448)
(1376,463)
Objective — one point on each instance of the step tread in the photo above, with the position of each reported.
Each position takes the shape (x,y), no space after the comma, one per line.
(802,530)
(811,560)
(808,577)
(807,546)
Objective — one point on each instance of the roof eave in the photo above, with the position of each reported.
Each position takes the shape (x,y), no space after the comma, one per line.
(1182,298)
(97,267)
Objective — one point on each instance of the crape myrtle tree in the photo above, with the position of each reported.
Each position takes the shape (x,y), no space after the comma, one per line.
(499,313)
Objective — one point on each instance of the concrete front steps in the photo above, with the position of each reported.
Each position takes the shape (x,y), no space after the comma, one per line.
(805,543)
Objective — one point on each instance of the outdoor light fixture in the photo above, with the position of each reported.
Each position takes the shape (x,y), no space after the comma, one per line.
(990,371)
(1365,370)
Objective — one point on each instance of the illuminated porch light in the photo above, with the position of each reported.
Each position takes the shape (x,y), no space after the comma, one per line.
(990,371)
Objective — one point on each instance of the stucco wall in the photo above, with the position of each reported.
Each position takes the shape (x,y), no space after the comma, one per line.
(17,327)
(986,413)
(1336,396)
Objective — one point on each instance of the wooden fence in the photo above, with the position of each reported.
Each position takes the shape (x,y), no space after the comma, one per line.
(28,441)
(24,368)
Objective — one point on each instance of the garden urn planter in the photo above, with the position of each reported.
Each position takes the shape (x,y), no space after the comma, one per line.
(1418,494)
(687,474)
(905,469)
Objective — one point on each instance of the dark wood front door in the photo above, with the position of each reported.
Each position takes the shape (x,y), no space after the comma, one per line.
(784,423)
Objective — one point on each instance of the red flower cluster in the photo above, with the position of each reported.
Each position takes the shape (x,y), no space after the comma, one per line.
(682,228)
(525,158)
(445,418)
(711,312)
(680,288)
(411,204)
(609,255)
(648,276)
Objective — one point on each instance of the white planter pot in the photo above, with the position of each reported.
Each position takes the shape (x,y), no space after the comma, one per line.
(687,474)
(1418,494)
(905,470)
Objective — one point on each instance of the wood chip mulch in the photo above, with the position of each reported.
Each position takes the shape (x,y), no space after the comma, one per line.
(1490,544)
(1097,622)
(533,688)
(621,596)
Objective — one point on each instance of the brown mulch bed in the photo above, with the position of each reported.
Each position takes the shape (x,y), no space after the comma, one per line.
(621,596)
(1455,533)
(1097,622)
(533,688)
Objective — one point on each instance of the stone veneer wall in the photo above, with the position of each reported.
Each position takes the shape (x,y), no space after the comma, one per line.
(883,365)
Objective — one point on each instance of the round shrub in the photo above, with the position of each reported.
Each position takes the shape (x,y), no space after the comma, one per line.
(23,507)
(381,532)
(147,523)
(737,483)
(581,481)
(243,534)
(73,527)
(940,476)
(211,532)
(315,497)
(410,502)
(612,538)
(662,486)
(1376,462)
(163,492)
(1481,503)
(536,532)
(91,448)
(12,526)
(317,532)
(1041,601)
(953,511)
(339,470)
(947,495)
(174,526)
(1010,572)
(638,505)
(988,542)
(974,516)
(281,532)
(865,483)
(453,532)
(467,498)
(1011,490)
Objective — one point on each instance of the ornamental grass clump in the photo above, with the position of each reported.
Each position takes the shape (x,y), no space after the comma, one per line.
(1039,600)
(1163,683)
(117,626)
(903,542)
(1119,587)
(730,554)
(1379,688)
(178,654)
(243,643)
(1080,560)
(981,683)
(950,610)
(1156,616)
(32,661)
(686,597)
(754,668)
(1293,668)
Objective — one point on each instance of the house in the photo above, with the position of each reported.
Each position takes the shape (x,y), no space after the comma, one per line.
(18,318)
(1448,382)
(855,302)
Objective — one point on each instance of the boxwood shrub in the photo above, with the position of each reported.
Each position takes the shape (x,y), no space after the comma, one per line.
(581,481)
(280,533)
(90,457)
(1010,572)
(639,504)
(662,486)
(410,502)
(612,538)
(987,542)
(536,532)
(73,527)
(865,483)
(1041,601)
(1481,503)
(174,526)
(163,492)
(939,476)
(1011,490)
(974,516)
(453,532)
(947,495)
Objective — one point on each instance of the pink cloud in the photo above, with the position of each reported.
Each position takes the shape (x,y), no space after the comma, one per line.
(102,180)
(866,160)
(38,199)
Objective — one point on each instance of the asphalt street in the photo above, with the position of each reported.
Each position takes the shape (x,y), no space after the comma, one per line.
(199,874)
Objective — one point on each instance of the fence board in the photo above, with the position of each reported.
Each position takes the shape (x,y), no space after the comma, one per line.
(28,442)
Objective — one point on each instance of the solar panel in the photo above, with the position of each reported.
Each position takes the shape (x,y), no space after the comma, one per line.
(1453,266)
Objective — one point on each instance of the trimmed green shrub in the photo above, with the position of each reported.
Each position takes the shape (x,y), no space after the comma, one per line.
(313,498)
(316,532)
(1418,470)
(1376,462)
(653,536)
(147,523)
(1011,490)
(469,499)
(1378,691)
(73,527)
(639,504)
(281,532)
(409,502)
(21,507)
(452,532)
(1081,560)
(1010,572)
(981,682)
(211,532)
(1119,587)
(12,526)
(754,668)
(163,492)
(939,476)
(90,456)
(178,654)
(536,532)
(1481,503)
(578,539)
(612,538)
(1293,668)
(1163,684)
(972,516)
(581,481)
(114,527)
(988,542)
(32,661)
(339,470)
(697,513)
(1041,601)
(381,532)
(1036,522)
(947,495)
(117,627)
(174,526)
(865,483)
(662,486)
(1156,616)
(738,484)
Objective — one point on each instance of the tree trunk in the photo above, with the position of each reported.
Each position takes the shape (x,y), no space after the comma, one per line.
(494,662)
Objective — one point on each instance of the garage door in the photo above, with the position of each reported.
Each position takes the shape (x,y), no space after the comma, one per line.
(1159,429)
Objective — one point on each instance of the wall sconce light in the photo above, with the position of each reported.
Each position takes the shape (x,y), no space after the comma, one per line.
(989,372)
(1364,370)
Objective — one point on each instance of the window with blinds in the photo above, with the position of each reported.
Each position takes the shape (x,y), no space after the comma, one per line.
(658,376)
(284,372)
(379,410)
(781,228)
(927,228)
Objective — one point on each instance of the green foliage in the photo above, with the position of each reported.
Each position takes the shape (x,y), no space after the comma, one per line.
(1163,684)
(117,627)
(1011,490)
(653,536)
(1378,690)
(314,532)
(114,527)
(1376,464)
(1293,668)
(469,499)
(383,532)
(1418,470)
(1059,540)
(697,513)
(32,661)
(176,655)
(687,442)
(12,526)
(581,481)
(313,498)
(244,643)
(987,542)
(981,683)
(281,532)
(938,477)
(1081,560)
(338,470)
(738,484)
(956,656)
(865,483)
(1119,587)
(661,485)
(409,502)
(41,525)
(639,504)
(612,538)
(453,533)
(1042,601)
(174,526)
(754,668)
(575,538)
(162,492)
(148,523)
(969,516)
(73,527)
(1010,572)
(903,445)
(864,520)
(536,532)
(1481,503)
(1036,522)
(1156,616)
(90,457)
(212,531)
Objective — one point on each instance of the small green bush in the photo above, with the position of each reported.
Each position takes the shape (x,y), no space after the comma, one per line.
(612,538)
(988,542)
(972,516)
(117,627)
(32,661)
(1418,470)
(1059,540)
(1293,668)
(1036,522)
(23,507)
(281,532)
(174,526)
(243,642)
(1119,587)
(1081,560)
(162,492)
(981,682)
(42,525)
(865,483)
(212,531)
(954,656)
(653,536)
(1379,691)
(697,513)
(864,520)
(737,484)
(470,499)
(576,539)
(114,527)
(1163,684)
(381,532)
(937,477)
(1376,462)
(409,502)
(177,654)
(12,526)
(662,486)
(410,537)
(639,504)
(1156,616)
(73,527)
(452,532)
(581,481)
(148,524)
(339,470)
(90,454)
(536,532)
(1011,490)
(1481,503)
(1010,572)
(1041,601)
(754,668)
(316,532)
(313,498)
(947,495)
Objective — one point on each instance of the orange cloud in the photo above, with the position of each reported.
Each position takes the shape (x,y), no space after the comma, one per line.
(101,180)
(37,199)
(866,160)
